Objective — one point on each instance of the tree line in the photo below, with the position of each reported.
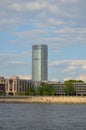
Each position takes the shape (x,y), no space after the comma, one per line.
(46,89)
(43,90)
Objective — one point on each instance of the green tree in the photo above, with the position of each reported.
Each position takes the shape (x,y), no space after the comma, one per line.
(31,91)
(40,90)
(74,81)
(69,88)
(46,89)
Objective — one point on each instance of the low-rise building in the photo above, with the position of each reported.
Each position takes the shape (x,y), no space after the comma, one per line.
(2,85)
(59,87)
(80,88)
(15,85)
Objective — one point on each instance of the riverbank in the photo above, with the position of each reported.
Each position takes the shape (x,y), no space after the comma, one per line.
(44,99)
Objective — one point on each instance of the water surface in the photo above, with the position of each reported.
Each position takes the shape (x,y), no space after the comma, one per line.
(42,117)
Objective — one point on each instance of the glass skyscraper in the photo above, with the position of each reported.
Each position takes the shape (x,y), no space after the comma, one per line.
(39,62)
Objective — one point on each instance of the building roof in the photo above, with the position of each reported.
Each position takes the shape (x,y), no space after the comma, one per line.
(1,77)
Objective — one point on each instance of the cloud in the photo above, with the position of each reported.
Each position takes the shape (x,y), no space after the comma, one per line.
(17,63)
(70,1)
(74,30)
(55,13)
(84,66)
(54,79)
(37,36)
(15,6)
(13,54)
(14,63)
(54,21)
(37,33)
(30,34)
(15,42)
(13,60)
(41,35)
(56,51)
(69,65)
(81,77)
(68,78)
(57,23)
(33,6)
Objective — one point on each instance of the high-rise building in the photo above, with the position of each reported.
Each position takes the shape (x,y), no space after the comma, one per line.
(39,62)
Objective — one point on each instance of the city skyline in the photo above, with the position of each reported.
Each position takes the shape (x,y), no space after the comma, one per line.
(61,24)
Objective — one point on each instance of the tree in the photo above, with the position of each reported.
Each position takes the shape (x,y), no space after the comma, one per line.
(31,91)
(74,81)
(69,88)
(40,90)
(46,89)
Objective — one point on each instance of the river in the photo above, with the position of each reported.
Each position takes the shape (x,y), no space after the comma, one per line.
(42,116)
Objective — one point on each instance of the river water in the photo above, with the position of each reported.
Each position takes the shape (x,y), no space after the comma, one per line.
(42,117)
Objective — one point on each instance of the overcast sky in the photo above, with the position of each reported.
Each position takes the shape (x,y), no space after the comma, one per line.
(61,24)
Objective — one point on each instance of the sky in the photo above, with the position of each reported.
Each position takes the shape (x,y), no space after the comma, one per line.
(61,24)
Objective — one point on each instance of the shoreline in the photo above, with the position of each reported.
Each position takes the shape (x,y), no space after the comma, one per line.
(44,99)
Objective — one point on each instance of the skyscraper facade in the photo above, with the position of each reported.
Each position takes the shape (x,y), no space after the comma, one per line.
(39,62)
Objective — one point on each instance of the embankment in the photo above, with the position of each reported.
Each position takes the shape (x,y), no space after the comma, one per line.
(43,99)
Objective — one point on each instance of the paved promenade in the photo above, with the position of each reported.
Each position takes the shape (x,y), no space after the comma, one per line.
(43,99)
